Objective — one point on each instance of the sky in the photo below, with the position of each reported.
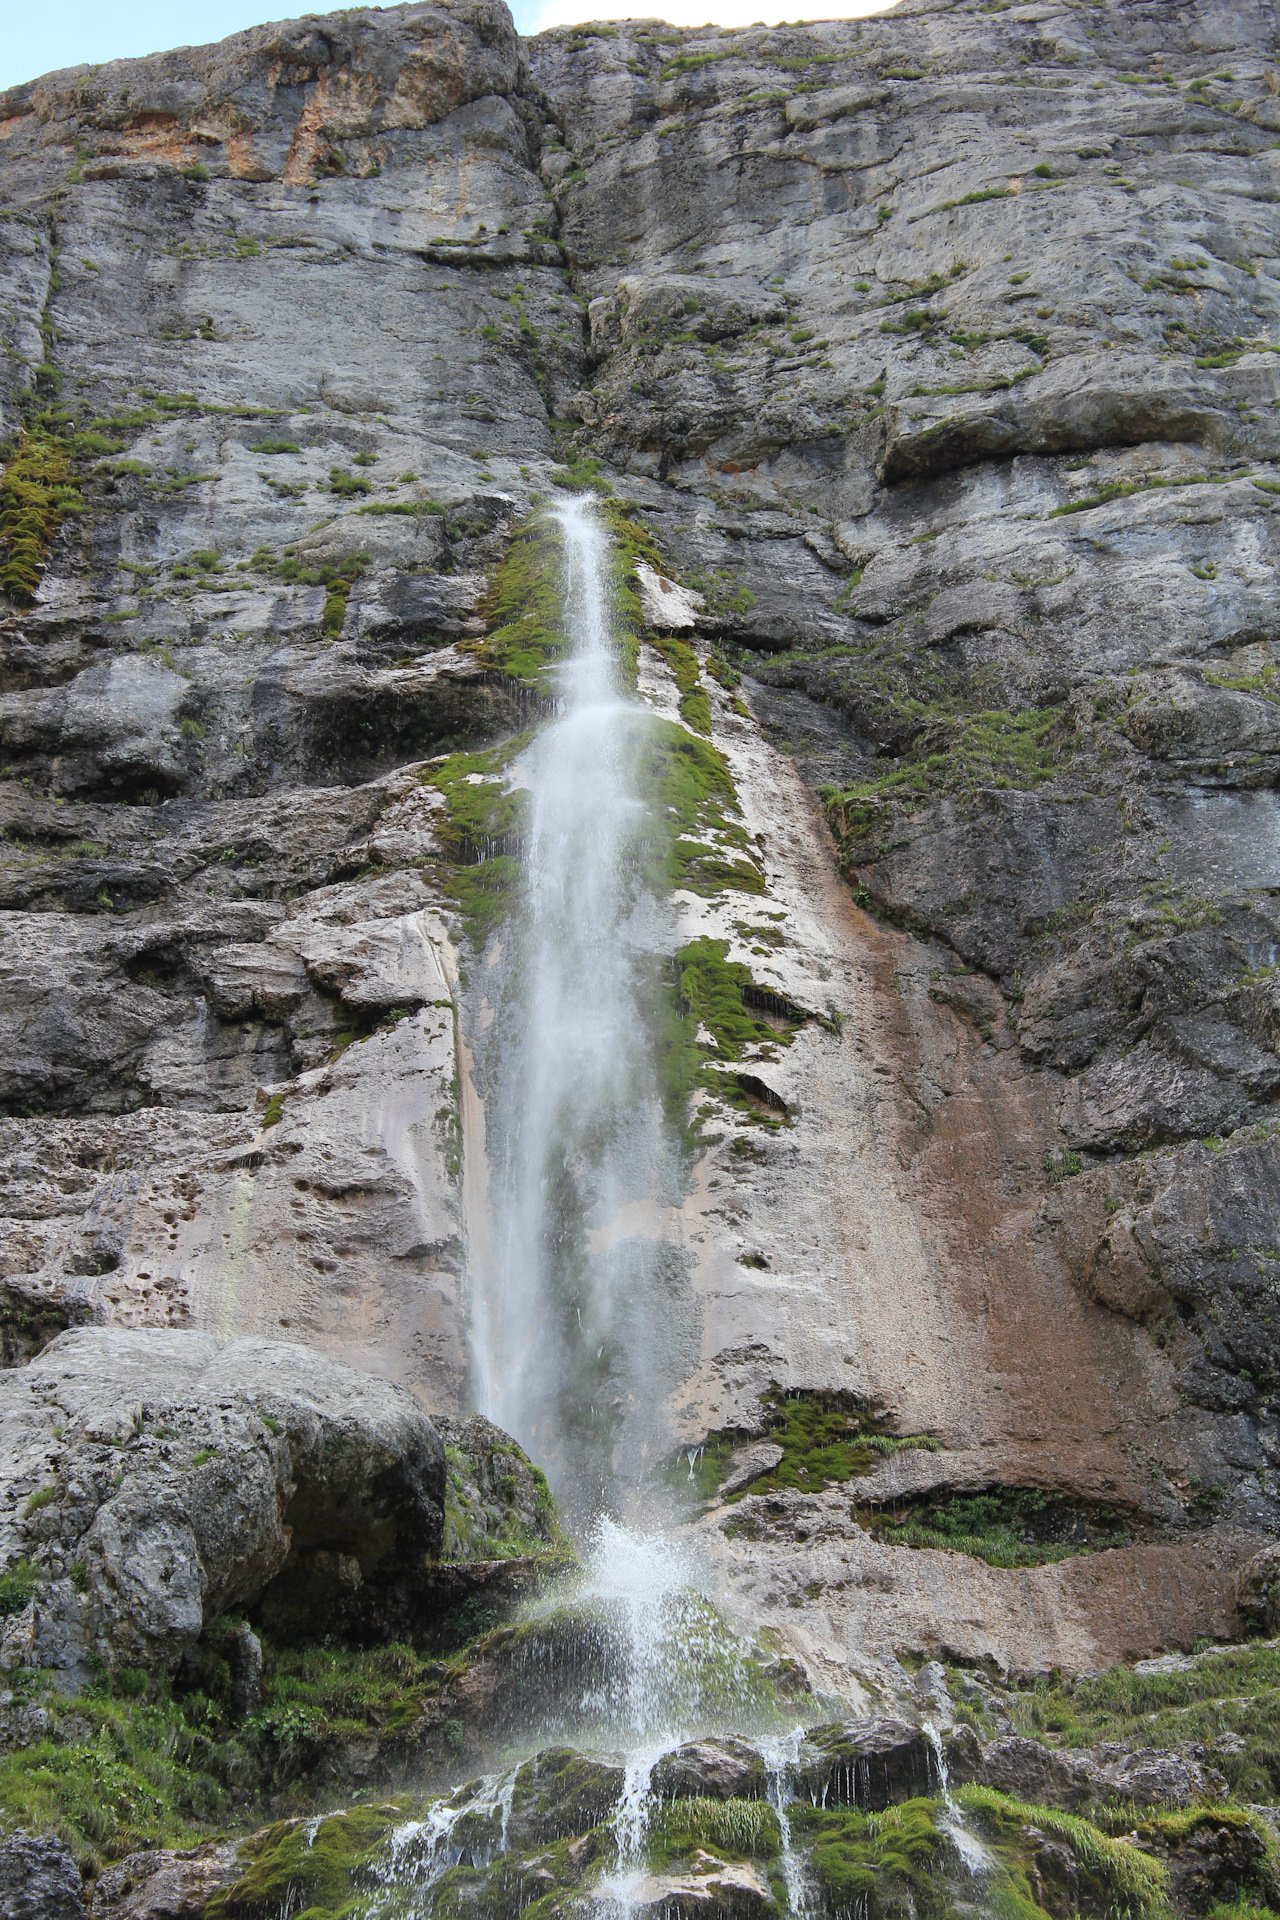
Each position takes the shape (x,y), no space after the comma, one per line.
(63,33)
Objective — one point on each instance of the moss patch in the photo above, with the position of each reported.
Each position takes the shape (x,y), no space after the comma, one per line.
(867,1862)
(1006,1527)
(689,791)
(481,835)
(298,1867)
(952,754)
(36,496)
(683,662)
(873,1863)
(1113,1876)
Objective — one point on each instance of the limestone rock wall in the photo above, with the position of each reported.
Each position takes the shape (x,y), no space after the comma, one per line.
(938,353)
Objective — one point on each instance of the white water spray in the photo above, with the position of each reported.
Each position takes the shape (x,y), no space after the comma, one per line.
(576,1133)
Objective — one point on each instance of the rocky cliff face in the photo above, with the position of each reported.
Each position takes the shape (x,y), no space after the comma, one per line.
(933,358)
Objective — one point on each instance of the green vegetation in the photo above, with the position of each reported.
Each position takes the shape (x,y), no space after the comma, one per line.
(953,753)
(337,578)
(1121,489)
(1112,1876)
(483,827)
(690,792)
(882,1855)
(714,995)
(36,496)
(900,1858)
(347,484)
(688,63)
(1233,1693)
(17,1586)
(1005,1526)
(733,1829)
(292,1867)
(826,1439)
(472,1492)
(683,662)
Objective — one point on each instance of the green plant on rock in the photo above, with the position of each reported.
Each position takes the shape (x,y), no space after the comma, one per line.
(683,662)
(346,484)
(1111,1875)
(295,1867)
(952,753)
(736,1829)
(1005,1526)
(481,833)
(18,1584)
(36,496)
(874,1862)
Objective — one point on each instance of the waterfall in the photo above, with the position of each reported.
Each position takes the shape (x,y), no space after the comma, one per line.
(563,1359)
(574,1310)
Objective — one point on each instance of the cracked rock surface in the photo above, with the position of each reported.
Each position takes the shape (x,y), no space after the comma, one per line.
(937,353)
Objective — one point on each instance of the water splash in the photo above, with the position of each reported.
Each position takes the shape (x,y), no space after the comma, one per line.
(781,1756)
(976,1859)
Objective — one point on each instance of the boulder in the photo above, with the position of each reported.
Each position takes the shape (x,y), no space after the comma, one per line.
(152,1479)
(561,1792)
(713,1891)
(163,1885)
(1082,1776)
(867,1763)
(712,1769)
(39,1880)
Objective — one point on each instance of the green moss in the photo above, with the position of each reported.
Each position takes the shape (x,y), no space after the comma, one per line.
(876,1863)
(689,791)
(866,1861)
(1006,1527)
(1116,1876)
(708,991)
(952,753)
(825,1443)
(295,1867)
(683,662)
(36,496)
(481,834)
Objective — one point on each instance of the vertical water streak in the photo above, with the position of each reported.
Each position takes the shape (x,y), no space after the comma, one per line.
(577,1127)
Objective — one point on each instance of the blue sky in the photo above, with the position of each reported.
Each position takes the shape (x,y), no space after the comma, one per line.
(62,33)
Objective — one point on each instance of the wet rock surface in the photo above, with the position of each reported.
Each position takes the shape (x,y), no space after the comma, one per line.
(935,354)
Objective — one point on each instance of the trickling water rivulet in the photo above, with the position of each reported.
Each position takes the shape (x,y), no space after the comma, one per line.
(564,1346)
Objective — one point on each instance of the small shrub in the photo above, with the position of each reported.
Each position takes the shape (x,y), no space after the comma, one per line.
(17,1585)
(345,484)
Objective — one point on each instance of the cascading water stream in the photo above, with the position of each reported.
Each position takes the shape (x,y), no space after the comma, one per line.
(559,1332)
(571,1312)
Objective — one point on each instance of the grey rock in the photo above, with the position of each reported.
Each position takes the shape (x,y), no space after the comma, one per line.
(559,1793)
(721,1769)
(39,1879)
(867,1763)
(164,1885)
(184,1476)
